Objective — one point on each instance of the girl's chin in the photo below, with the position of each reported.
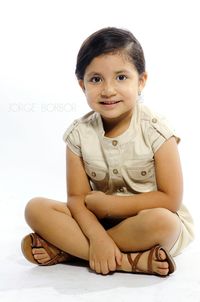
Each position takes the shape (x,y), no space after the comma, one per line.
(109,115)
(113,116)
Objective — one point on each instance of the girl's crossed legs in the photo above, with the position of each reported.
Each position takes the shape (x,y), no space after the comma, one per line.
(53,221)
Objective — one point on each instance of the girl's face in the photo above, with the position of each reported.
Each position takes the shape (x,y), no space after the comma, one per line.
(111,84)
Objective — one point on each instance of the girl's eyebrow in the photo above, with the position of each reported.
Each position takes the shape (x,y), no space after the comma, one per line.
(93,73)
(122,71)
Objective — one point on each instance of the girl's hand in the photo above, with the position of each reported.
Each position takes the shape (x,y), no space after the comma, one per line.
(104,255)
(97,202)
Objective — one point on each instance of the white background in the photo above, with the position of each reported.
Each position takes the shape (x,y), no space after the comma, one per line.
(40,97)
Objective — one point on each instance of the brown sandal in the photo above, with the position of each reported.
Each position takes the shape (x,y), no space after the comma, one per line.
(30,241)
(157,248)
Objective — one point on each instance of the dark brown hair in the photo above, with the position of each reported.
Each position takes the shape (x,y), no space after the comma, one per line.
(110,40)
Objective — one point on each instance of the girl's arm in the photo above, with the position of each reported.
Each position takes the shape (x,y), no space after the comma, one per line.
(77,188)
(169,184)
(104,254)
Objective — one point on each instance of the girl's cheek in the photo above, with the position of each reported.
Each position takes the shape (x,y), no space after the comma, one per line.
(92,93)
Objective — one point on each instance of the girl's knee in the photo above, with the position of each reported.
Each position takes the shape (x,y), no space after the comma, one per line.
(34,207)
(38,207)
(161,219)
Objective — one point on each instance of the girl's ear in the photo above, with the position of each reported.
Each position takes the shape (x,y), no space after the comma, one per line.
(81,83)
(142,80)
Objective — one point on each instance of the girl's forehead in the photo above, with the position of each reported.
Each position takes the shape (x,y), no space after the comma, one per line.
(111,60)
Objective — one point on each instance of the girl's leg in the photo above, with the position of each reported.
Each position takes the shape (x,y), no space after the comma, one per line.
(140,233)
(148,228)
(53,221)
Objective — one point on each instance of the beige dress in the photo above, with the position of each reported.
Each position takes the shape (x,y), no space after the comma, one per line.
(124,165)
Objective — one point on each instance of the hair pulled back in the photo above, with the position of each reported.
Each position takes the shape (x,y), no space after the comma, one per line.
(110,40)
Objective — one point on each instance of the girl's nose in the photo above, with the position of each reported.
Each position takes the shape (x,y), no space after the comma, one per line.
(108,90)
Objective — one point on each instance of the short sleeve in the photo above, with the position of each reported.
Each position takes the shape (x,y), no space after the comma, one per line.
(159,131)
(72,138)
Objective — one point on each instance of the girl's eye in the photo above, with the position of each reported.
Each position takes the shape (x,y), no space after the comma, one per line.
(121,77)
(95,79)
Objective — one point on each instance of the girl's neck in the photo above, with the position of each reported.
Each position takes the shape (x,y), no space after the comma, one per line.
(117,126)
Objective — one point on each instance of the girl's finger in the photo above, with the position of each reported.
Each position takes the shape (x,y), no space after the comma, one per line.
(118,257)
(92,266)
(112,265)
(105,268)
(97,267)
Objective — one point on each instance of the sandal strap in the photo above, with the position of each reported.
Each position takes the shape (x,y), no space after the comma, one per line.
(35,237)
(169,258)
(134,262)
(149,261)
(54,258)
(156,249)
(150,257)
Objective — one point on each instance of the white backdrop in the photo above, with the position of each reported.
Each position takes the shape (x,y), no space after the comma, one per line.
(39,95)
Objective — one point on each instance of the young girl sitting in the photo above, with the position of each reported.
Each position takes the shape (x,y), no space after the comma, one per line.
(124,208)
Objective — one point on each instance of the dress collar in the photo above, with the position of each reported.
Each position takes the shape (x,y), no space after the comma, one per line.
(128,134)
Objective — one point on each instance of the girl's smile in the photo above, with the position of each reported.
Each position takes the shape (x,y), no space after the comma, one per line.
(109,104)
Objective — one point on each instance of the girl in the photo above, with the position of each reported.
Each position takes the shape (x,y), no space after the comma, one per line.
(124,208)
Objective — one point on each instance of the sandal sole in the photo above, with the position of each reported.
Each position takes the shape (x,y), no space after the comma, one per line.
(26,247)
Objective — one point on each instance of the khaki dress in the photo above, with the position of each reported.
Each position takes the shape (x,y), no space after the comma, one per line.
(124,165)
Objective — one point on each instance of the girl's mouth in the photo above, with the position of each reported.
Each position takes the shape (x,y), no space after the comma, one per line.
(109,103)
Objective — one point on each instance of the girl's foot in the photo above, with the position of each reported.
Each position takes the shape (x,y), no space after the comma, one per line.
(39,251)
(41,255)
(156,261)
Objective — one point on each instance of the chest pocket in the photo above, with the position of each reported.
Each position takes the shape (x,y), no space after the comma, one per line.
(142,178)
(98,176)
